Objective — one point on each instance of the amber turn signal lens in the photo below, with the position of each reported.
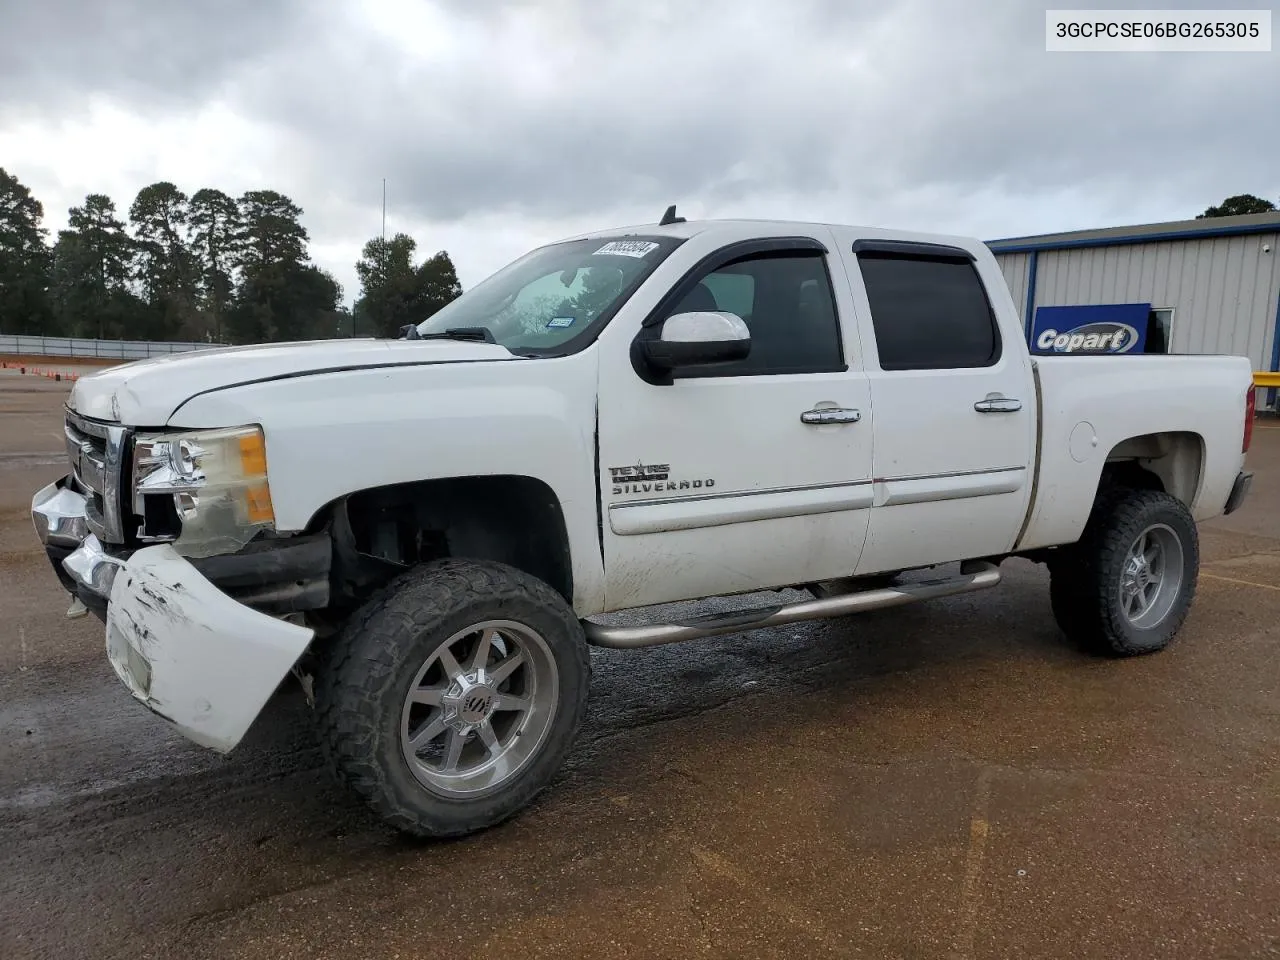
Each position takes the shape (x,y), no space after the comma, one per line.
(253,455)
(258,503)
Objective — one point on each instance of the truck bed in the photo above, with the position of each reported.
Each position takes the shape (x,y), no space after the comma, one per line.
(1087,405)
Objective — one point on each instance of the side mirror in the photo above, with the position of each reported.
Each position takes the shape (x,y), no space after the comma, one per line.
(701,337)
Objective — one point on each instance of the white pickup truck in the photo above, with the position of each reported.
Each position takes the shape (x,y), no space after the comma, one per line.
(423,529)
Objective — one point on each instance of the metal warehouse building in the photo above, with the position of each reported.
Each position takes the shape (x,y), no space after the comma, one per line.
(1195,286)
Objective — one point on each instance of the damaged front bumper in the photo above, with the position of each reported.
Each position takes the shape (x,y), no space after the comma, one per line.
(203,661)
(189,647)
(59,514)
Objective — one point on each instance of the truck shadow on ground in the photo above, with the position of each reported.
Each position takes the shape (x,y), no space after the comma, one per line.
(762,681)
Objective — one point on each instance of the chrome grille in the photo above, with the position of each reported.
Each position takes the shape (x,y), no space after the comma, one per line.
(96,452)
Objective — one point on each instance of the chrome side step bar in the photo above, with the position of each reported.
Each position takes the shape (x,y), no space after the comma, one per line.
(974,575)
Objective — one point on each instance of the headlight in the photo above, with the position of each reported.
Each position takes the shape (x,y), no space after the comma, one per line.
(212,483)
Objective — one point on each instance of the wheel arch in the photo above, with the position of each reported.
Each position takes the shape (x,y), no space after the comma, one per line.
(1171,461)
(508,518)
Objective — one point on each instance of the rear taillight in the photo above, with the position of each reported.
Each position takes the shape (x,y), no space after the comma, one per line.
(1250,405)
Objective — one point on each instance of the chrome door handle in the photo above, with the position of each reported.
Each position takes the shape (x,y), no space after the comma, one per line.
(998,405)
(831,415)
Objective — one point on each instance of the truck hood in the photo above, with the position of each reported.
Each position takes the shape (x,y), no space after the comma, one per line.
(147,392)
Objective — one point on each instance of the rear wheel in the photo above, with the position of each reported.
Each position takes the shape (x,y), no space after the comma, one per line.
(451,699)
(1126,587)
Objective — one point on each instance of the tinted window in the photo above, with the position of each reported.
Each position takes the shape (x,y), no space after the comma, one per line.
(929,314)
(786,302)
(734,292)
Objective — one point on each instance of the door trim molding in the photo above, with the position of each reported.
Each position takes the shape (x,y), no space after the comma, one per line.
(664,514)
(659,515)
(896,491)
(954,473)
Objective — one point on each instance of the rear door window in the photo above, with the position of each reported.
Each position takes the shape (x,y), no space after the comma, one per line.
(929,314)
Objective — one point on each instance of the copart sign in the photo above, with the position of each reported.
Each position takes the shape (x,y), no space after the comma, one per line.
(1106,328)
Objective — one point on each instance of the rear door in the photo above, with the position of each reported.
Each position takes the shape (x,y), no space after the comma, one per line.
(954,401)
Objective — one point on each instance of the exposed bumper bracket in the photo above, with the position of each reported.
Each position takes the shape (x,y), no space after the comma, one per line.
(276,576)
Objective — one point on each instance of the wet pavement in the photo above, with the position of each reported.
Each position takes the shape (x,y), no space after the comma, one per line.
(946,780)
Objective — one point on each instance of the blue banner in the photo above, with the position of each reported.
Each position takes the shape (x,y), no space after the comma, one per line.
(1106,328)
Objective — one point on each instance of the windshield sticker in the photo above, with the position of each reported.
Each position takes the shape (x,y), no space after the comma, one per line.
(626,248)
(560,322)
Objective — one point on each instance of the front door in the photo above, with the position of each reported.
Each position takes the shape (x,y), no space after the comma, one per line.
(732,478)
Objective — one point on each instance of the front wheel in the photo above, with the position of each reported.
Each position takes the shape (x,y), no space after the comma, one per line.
(1126,587)
(451,699)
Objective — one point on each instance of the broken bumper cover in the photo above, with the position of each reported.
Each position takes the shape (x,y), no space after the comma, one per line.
(186,649)
(203,661)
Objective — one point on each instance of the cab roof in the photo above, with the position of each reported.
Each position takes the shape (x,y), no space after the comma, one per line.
(685,230)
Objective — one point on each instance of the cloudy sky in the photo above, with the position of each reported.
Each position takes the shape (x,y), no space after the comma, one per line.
(500,124)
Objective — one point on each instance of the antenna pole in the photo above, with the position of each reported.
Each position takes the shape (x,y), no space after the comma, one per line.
(384,208)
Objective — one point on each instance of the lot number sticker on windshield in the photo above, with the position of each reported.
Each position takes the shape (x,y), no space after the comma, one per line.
(626,248)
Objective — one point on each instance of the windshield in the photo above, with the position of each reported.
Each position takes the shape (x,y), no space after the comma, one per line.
(554,295)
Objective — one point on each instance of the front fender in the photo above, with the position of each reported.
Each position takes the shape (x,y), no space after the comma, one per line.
(333,434)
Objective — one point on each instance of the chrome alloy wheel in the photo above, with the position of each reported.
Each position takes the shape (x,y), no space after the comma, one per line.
(1151,579)
(479,708)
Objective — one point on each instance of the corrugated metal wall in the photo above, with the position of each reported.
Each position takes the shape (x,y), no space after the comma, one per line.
(1223,290)
(1016,267)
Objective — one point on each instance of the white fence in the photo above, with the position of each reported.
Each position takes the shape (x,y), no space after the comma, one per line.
(81,347)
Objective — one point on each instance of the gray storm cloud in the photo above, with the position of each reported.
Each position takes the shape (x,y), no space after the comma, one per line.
(923,114)
(555,113)
(57,54)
